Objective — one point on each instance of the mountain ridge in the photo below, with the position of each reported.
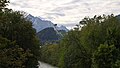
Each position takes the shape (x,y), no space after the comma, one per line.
(40,24)
(46,31)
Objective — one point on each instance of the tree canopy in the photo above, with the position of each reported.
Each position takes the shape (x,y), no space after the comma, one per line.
(3,4)
(14,27)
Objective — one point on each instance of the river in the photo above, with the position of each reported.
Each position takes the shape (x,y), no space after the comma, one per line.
(45,65)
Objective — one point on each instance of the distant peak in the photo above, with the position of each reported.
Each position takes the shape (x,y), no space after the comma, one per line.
(40,24)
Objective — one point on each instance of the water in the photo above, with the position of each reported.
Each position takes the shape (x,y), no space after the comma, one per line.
(45,65)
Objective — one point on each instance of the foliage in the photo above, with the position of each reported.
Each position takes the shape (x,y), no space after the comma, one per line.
(50,54)
(12,55)
(74,55)
(3,4)
(101,30)
(106,57)
(80,44)
(16,28)
(82,47)
(95,43)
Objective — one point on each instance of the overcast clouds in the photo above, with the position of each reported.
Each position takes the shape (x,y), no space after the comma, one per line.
(67,12)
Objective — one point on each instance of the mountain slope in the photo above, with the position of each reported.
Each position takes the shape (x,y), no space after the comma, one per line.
(48,35)
(40,24)
(46,30)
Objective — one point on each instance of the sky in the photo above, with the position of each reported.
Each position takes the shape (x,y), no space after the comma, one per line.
(66,12)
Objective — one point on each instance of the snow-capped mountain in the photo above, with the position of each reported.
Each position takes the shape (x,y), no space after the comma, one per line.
(62,28)
(40,24)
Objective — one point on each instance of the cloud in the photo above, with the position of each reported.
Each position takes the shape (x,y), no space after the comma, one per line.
(73,2)
(56,14)
(67,12)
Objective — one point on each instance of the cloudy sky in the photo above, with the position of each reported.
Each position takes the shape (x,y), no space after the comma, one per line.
(66,12)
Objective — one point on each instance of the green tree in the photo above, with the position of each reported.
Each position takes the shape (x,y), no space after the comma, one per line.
(106,57)
(50,54)
(73,54)
(3,4)
(11,55)
(79,45)
(100,30)
(15,27)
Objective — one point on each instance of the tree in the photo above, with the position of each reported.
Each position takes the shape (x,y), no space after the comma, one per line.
(73,54)
(106,57)
(12,55)
(80,44)
(15,27)
(3,4)
(100,30)
(50,54)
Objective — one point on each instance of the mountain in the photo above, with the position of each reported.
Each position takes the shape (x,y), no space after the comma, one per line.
(46,30)
(118,16)
(40,24)
(48,35)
